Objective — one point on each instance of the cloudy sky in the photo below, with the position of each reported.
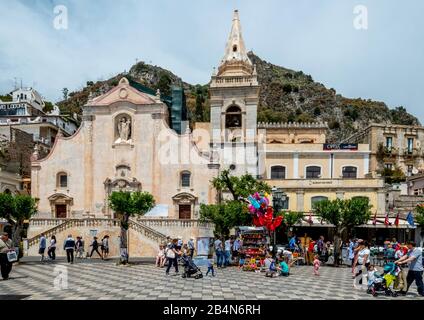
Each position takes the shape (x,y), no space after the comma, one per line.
(104,37)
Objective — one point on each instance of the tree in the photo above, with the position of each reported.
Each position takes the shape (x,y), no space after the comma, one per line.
(126,205)
(164,84)
(226,216)
(200,100)
(65,93)
(343,215)
(419,218)
(17,209)
(242,186)
(291,218)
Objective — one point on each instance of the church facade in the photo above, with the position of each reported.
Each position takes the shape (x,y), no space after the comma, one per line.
(125,143)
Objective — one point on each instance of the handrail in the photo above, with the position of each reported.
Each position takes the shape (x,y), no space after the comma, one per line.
(148,232)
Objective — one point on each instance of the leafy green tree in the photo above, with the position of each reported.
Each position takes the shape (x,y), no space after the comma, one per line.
(290,219)
(65,92)
(343,215)
(17,209)
(164,84)
(242,186)
(200,100)
(226,216)
(391,176)
(126,205)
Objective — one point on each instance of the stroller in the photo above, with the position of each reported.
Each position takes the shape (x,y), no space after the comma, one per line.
(190,268)
(383,282)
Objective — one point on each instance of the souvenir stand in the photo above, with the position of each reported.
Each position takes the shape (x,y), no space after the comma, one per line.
(254,246)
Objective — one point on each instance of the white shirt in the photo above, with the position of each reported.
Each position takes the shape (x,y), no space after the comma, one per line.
(227,245)
(361,255)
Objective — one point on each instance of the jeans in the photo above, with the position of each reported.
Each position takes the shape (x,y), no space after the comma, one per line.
(5,265)
(227,256)
(70,255)
(174,262)
(416,276)
(52,253)
(219,258)
(210,269)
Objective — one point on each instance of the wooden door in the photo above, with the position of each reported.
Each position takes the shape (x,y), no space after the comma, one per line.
(61,211)
(185,212)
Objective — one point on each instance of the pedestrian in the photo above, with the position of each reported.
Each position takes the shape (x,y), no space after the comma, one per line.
(105,246)
(5,247)
(236,249)
(218,252)
(52,248)
(42,246)
(69,247)
(190,245)
(95,248)
(227,253)
(210,268)
(415,273)
(310,256)
(79,247)
(283,268)
(320,245)
(179,243)
(172,256)
(363,262)
(351,252)
(317,264)
(160,257)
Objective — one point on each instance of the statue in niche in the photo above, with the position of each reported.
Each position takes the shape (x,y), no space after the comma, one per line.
(124,127)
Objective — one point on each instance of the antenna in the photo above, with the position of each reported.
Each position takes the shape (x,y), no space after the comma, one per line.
(15,83)
(21,83)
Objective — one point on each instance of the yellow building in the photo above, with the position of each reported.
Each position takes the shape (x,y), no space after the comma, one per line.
(296,158)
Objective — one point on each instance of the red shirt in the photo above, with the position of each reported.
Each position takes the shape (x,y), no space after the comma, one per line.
(311,246)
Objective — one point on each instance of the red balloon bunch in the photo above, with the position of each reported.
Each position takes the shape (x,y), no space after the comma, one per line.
(263,214)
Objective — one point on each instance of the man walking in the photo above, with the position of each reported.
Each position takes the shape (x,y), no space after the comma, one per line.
(5,246)
(219,252)
(69,247)
(190,245)
(227,247)
(415,272)
(42,247)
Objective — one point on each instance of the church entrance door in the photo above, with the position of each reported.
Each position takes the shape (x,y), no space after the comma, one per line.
(185,212)
(61,211)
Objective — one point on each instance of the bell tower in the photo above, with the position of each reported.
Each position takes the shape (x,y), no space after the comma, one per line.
(234,96)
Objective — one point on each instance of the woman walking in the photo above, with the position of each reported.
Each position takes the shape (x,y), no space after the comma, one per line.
(105,246)
(172,256)
(52,248)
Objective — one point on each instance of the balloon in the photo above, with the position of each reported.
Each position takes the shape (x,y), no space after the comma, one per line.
(266,195)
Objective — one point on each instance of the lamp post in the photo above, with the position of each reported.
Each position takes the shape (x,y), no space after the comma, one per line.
(278,199)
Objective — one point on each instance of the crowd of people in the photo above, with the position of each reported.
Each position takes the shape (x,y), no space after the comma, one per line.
(73,248)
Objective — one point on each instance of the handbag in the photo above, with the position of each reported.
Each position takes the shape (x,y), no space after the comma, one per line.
(11,255)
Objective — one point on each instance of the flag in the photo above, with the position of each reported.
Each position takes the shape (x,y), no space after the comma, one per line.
(410,219)
(397,220)
(386,220)
(374,222)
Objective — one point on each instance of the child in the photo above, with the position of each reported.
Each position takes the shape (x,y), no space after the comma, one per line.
(272,268)
(210,268)
(241,261)
(284,269)
(371,274)
(160,257)
(317,264)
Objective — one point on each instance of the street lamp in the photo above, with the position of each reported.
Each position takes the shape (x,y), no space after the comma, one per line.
(278,200)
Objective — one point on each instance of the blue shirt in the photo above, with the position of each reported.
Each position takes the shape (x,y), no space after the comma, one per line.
(236,245)
(417,263)
(43,242)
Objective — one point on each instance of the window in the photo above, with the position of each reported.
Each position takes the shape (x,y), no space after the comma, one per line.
(313,172)
(62,180)
(285,204)
(350,172)
(410,145)
(389,142)
(278,172)
(233,117)
(317,199)
(185,179)
(235,48)
(389,166)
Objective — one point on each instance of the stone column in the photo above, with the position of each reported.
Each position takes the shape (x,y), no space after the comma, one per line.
(381,202)
(88,162)
(296,166)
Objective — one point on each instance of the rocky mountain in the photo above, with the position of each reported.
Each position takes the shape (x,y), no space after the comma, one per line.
(286,96)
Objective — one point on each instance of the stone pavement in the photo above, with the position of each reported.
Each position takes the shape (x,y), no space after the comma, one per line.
(95,279)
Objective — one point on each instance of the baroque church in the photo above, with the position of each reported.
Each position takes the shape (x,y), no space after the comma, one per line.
(126,143)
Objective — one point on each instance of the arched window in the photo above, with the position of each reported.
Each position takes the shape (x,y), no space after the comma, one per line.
(278,172)
(7,191)
(62,180)
(350,172)
(317,199)
(185,179)
(233,117)
(313,172)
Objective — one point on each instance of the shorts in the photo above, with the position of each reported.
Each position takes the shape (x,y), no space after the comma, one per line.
(41,250)
(105,249)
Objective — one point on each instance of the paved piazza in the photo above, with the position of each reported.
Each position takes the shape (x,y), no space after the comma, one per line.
(105,280)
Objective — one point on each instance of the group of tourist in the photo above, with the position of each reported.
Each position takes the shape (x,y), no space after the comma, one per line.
(71,246)
(403,255)
(170,251)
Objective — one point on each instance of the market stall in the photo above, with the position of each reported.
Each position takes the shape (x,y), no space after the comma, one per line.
(254,246)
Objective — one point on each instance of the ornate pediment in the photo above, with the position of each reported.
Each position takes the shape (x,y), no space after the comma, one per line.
(184,198)
(123,92)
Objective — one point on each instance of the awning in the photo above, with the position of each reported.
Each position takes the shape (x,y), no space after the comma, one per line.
(317,222)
